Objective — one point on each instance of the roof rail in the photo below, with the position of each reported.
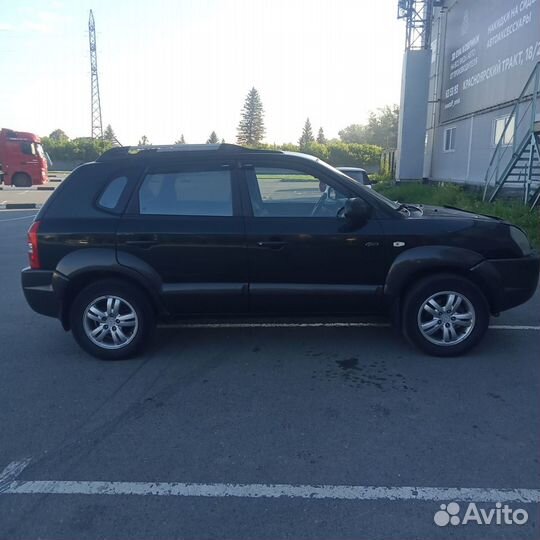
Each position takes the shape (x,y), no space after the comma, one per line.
(120,152)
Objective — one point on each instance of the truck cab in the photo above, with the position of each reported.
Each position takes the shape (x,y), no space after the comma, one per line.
(23,159)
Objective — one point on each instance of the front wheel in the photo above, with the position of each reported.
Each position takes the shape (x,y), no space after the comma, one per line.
(111,320)
(21,180)
(445,315)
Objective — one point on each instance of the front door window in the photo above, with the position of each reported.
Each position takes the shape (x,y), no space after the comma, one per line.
(276,192)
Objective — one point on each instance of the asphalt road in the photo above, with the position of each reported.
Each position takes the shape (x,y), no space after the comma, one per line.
(229,413)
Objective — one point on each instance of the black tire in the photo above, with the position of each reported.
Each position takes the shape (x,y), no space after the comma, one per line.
(132,299)
(414,315)
(21,180)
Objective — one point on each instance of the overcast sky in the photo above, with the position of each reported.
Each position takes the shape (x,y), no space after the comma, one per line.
(168,67)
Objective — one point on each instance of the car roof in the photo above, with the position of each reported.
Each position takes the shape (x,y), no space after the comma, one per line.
(184,150)
(350,169)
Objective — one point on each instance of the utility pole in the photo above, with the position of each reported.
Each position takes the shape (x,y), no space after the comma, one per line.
(97,126)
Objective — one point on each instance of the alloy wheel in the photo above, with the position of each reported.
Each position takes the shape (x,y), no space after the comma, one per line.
(110,322)
(446,318)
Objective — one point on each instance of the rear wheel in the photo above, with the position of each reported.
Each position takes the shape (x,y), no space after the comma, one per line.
(111,320)
(21,180)
(445,315)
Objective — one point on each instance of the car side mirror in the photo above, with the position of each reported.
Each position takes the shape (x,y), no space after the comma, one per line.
(357,211)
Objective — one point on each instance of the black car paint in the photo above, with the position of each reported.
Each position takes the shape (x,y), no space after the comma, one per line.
(248,265)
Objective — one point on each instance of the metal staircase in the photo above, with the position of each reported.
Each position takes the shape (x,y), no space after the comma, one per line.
(517,165)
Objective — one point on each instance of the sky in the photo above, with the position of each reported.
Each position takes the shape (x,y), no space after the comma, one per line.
(172,67)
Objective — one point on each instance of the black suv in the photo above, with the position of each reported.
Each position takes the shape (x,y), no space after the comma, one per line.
(160,233)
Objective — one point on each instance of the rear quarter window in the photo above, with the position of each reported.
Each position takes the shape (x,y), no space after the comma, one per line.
(80,194)
(110,198)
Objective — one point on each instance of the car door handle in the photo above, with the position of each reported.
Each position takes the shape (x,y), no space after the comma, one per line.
(271,244)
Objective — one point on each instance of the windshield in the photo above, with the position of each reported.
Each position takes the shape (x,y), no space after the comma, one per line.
(39,150)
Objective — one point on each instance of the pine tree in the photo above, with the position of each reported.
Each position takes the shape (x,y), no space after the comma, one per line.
(110,136)
(307,135)
(321,139)
(181,140)
(251,126)
(143,141)
(213,139)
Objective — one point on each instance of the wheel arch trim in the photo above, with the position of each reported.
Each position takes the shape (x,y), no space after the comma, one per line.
(84,266)
(418,262)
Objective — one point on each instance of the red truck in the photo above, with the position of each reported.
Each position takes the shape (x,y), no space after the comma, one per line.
(23,162)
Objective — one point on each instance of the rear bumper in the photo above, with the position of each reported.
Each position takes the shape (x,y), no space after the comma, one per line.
(512,281)
(39,293)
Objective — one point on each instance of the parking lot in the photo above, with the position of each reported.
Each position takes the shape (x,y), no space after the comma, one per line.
(261,431)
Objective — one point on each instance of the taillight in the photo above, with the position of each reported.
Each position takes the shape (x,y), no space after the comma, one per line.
(33,252)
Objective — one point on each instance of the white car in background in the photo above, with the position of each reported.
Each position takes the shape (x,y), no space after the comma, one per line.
(357,174)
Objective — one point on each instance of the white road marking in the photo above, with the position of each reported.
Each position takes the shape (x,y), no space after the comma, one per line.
(360,493)
(319,325)
(17,218)
(513,327)
(12,471)
(276,325)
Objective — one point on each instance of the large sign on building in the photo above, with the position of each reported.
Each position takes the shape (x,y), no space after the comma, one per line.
(491,48)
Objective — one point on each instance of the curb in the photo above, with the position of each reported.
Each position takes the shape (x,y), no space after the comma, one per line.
(20,206)
(45,188)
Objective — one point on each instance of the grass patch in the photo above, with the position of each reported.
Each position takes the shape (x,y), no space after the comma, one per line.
(451,195)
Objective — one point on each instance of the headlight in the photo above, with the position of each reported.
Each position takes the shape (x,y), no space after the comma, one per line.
(521,240)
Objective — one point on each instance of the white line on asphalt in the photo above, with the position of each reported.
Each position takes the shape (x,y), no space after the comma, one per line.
(276,325)
(11,486)
(362,493)
(319,325)
(12,471)
(513,327)
(17,218)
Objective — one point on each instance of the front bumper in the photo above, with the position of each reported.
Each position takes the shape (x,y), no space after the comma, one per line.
(39,293)
(511,281)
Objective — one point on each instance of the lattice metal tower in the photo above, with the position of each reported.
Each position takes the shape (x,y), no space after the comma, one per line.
(97,125)
(417,15)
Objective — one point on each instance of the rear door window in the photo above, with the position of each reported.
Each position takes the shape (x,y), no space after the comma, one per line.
(187,193)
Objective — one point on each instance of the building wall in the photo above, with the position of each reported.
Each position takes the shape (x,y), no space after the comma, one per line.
(476,26)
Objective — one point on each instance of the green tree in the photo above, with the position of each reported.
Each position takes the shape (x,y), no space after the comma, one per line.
(355,133)
(181,140)
(380,130)
(251,127)
(143,141)
(307,135)
(58,135)
(321,139)
(109,135)
(213,139)
(382,127)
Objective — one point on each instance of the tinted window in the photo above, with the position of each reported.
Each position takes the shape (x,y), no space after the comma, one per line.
(278,192)
(359,176)
(27,148)
(190,193)
(110,197)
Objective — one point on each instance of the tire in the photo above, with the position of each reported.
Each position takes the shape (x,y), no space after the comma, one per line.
(21,180)
(127,312)
(459,329)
